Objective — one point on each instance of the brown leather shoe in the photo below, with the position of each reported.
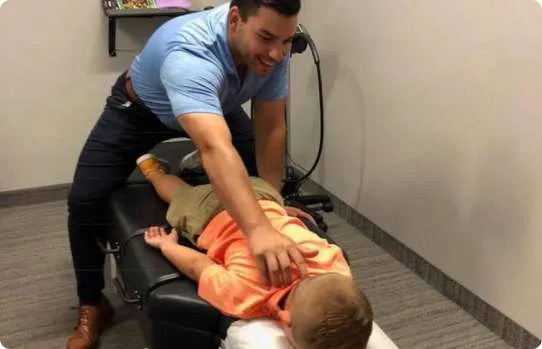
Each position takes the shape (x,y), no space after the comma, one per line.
(93,319)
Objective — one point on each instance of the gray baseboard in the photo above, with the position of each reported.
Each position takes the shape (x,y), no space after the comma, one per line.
(34,195)
(512,333)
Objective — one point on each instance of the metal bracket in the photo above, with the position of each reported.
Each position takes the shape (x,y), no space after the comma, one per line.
(115,250)
(124,296)
(112,36)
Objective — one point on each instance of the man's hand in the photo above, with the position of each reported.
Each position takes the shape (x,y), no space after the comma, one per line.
(296,212)
(157,236)
(274,254)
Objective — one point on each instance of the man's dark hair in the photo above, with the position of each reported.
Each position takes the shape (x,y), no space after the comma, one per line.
(249,8)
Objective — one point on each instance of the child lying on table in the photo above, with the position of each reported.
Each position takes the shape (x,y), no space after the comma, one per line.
(322,311)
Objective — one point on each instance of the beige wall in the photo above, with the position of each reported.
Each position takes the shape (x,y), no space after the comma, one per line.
(55,73)
(433,131)
(432,115)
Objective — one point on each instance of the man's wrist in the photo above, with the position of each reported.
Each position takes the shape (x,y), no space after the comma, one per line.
(257,228)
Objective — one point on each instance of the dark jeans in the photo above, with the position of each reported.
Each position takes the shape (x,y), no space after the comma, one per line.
(122,134)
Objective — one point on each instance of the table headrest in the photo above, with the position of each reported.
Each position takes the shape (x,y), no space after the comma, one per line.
(268,334)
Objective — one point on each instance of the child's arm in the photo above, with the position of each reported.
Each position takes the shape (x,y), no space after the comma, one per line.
(221,288)
(188,261)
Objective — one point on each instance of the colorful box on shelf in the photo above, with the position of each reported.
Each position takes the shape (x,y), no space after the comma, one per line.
(147,4)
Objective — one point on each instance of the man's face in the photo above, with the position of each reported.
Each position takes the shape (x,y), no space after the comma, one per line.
(264,39)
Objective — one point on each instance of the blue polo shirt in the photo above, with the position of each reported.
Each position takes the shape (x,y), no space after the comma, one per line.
(186,67)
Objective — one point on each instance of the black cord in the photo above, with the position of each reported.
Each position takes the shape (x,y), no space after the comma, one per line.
(297,182)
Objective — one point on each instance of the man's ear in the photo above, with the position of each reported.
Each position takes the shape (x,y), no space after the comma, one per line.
(234,18)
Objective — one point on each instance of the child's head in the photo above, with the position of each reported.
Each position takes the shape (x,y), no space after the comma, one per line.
(329,311)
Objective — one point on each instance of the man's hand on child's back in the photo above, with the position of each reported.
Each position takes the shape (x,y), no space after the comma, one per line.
(275,253)
(157,236)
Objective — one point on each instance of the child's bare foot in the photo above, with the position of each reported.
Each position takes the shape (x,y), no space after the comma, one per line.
(149,164)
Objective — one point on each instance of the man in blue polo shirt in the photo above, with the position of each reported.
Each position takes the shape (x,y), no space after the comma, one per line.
(190,80)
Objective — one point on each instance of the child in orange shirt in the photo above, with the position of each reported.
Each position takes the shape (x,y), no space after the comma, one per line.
(324,310)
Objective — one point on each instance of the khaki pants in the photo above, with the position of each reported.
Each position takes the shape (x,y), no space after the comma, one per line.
(192,207)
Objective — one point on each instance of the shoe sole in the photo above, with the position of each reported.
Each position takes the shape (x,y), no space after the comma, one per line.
(164,164)
(144,157)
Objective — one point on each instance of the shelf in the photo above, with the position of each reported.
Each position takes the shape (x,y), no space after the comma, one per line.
(113,14)
(151,12)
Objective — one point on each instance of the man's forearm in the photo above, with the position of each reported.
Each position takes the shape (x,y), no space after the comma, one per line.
(270,149)
(229,178)
(189,261)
